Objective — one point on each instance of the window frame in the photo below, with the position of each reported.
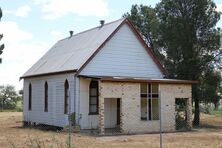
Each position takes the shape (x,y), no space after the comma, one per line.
(66,96)
(94,84)
(46,97)
(30,97)
(150,96)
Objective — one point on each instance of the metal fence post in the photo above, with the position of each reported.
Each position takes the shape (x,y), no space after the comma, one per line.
(69,141)
(160,114)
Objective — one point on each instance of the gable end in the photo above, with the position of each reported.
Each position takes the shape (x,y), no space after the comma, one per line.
(124,55)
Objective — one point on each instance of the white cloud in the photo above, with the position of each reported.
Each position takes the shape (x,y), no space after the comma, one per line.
(219,7)
(54,9)
(12,33)
(23,11)
(20,53)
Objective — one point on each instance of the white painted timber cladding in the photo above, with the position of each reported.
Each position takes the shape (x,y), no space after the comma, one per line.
(123,55)
(86,121)
(55,115)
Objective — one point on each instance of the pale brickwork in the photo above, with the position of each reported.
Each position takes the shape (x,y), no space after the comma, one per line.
(130,112)
(169,92)
(101,115)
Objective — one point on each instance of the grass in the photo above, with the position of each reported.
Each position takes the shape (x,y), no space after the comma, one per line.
(12,134)
(216,112)
(11,110)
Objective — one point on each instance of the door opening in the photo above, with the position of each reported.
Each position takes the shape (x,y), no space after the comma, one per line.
(181,113)
(118,111)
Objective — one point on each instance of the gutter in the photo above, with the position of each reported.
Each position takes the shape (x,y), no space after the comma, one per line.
(47,74)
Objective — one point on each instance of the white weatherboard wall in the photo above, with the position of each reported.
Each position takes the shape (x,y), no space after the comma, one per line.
(55,115)
(123,55)
(86,121)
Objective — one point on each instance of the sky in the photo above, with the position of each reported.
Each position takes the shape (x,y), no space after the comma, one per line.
(32,27)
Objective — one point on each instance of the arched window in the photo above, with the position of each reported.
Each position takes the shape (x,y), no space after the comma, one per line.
(66,97)
(93,97)
(30,96)
(46,97)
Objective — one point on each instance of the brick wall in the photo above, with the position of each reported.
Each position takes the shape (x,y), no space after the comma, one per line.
(130,113)
(169,92)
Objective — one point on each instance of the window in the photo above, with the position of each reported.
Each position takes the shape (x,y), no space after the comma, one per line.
(46,97)
(66,97)
(30,96)
(93,97)
(149,101)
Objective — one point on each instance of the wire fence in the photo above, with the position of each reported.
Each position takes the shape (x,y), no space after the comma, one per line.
(16,133)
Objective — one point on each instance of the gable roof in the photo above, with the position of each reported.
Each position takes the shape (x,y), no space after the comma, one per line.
(72,54)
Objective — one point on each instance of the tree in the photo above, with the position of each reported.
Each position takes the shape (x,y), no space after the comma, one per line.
(2,46)
(8,97)
(21,92)
(191,41)
(211,87)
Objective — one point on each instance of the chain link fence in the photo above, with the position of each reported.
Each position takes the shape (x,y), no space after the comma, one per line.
(16,133)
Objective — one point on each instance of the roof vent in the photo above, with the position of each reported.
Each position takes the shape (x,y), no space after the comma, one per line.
(71,33)
(102,22)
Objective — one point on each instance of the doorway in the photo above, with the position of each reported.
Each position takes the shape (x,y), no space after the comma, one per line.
(118,112)
(181,114)
(112,112)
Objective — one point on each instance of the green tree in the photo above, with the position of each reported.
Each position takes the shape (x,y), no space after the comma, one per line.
(21,92)
(191,41)
(2,46)
(8,97)
(211,87)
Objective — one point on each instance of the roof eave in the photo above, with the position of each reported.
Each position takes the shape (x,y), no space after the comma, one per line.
(50,73)
(161,81)
(137,80)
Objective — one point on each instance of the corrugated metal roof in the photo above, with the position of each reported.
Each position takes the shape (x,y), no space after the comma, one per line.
(72,52)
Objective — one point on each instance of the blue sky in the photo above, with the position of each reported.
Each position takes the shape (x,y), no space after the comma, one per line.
(31,27)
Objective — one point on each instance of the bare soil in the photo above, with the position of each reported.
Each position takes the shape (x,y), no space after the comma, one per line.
(12,134)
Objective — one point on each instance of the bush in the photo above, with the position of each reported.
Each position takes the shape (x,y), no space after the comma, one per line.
(19,109)
(73,118)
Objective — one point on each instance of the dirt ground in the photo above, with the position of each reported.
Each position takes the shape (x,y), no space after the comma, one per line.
(12,134)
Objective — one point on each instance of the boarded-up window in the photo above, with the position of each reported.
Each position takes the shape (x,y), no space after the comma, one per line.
(30,96)
(155,108)
(93,97)
(66,97)
(143,108)
(46,97)
(149,101)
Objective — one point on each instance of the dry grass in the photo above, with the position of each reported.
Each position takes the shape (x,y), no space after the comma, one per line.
(12,134)
(211,121)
